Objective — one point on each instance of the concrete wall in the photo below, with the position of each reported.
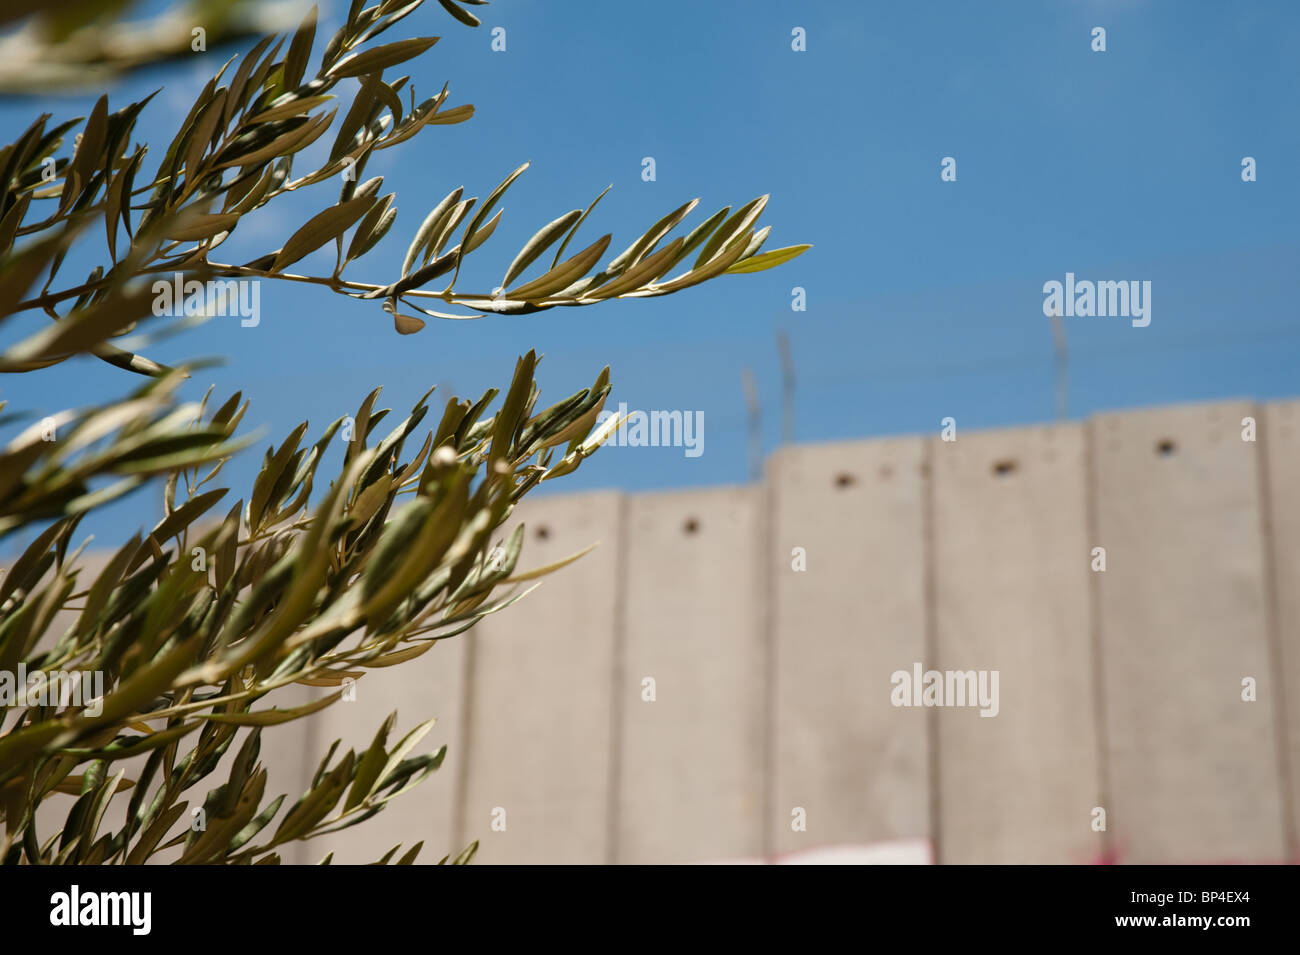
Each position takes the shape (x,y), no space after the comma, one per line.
(1161,694)
(689,693)
(1011,549)
(854,516)
(1184,620)
(540,687)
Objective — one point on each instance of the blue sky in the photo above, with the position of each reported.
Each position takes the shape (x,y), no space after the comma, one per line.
(924,298)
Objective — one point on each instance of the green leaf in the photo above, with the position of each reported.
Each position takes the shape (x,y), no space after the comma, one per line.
(428,228)
(468,242)
(457,114)
(577,225)
(509,418)
(768,260)
(409,857)
(295,61)
(552,567)
(273,716)
(12,220)
(372,763)
(481,235)
(539,243)
(298,138)
(464,16)
(737,224)
(646,242)
(292,106)
(196,227)
(563,275)
(321,228)
(468,854)
(374,225)
(399,752)
(89,154)
(259,823)
(642,272)
(381,57)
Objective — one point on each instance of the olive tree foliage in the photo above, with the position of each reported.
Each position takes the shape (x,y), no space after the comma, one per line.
(81,44)
(194,624)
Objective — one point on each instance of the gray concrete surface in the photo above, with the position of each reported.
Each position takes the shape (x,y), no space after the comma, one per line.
(856,765)
(1011,566)
(540,704)
(692,624)
(1279,437)
(1193,768)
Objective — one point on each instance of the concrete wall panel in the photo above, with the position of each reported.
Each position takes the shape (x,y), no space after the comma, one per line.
(1279,434)
(1011,559)
(1193,768)
(540,695)
(691,761)
(856,765)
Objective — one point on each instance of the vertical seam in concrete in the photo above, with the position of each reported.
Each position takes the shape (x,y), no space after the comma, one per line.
(1276,654)
(460,790)
(1092,511)
(614,779)
(931,643)
(767,588)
